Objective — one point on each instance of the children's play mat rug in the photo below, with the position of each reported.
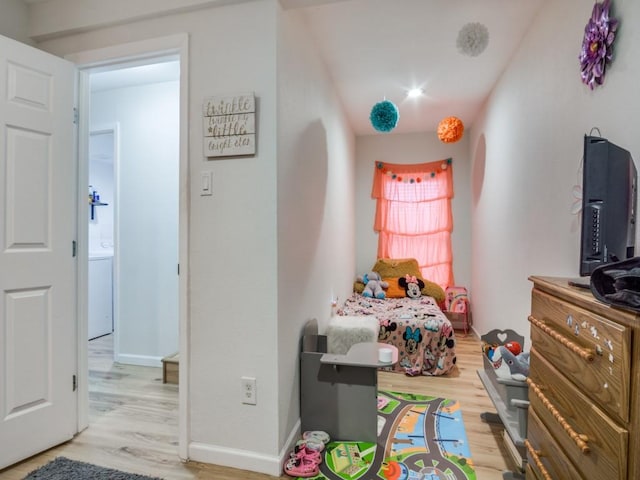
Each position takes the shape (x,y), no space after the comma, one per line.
(419,438)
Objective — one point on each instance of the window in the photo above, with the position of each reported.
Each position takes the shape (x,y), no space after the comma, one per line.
(413,215)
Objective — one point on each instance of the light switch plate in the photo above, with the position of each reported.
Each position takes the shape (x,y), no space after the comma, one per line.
(206,183)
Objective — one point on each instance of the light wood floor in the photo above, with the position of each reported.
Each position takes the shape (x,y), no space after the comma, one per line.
(134,420)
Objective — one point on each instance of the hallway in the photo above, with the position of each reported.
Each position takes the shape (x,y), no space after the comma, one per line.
(133,425)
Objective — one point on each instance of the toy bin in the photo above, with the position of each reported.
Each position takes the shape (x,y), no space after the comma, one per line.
(510,398)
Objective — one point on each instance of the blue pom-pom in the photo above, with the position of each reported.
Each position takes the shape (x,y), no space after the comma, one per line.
(384,116)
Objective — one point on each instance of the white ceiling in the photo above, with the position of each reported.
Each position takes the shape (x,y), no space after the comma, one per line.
(378,49)
(165,71)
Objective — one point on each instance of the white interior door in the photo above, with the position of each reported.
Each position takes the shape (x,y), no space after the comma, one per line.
(37,270)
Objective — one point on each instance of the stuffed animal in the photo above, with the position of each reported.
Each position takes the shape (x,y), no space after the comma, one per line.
(373,285)
(412,286)
(510,366)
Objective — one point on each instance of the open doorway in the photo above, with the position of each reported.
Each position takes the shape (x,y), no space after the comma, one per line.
(90,64)
(134,206)
(133,217)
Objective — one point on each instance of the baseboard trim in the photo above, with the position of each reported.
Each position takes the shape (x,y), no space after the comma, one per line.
(140,360)
(244,459)
(235,458)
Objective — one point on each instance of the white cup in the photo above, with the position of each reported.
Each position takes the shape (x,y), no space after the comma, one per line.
(385,355)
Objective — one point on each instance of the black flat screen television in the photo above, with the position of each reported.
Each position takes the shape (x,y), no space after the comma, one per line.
(608,229)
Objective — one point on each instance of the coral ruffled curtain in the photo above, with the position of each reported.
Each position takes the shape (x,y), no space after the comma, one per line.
(413,215)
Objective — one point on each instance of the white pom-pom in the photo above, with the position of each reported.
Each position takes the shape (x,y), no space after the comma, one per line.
(473,38)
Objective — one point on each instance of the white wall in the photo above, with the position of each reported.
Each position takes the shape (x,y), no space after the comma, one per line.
(101,180)
(413,148)
(316,206)
(14,16)
(533,128)
(233,279)
(147,217)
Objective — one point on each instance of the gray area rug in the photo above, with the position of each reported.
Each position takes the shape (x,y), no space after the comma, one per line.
(64,469)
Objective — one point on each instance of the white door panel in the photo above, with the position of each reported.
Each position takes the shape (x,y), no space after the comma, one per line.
(27,325)
(27,190)
(37,270)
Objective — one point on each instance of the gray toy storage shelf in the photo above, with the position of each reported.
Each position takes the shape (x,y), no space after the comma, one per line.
(338,393)
(509,397)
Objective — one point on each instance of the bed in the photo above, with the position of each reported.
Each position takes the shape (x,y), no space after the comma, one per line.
(417,327)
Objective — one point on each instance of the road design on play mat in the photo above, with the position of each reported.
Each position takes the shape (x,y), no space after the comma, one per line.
(419,438)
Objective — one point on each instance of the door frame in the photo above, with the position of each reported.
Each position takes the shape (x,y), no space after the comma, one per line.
(104,59)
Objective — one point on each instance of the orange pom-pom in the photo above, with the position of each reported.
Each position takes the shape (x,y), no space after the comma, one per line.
(450,129)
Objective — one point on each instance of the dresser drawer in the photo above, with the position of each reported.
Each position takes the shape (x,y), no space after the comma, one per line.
(592,351)
(595,443)
(544,456)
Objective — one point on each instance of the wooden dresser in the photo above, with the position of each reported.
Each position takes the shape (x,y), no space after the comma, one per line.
(584,413)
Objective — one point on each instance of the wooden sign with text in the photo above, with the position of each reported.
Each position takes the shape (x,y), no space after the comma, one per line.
(229,125)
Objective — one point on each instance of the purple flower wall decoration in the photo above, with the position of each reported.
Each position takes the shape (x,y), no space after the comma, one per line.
(597,45)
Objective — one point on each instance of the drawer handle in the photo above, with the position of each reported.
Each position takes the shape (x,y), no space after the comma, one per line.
(584,353)
(579,439)
(535,454)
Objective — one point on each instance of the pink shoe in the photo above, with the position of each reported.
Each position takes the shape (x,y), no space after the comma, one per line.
(302,451)
(301,467)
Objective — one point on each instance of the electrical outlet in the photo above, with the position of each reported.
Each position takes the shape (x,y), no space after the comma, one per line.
(248,390)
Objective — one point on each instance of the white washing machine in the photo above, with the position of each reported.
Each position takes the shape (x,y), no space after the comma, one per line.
(100,295)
